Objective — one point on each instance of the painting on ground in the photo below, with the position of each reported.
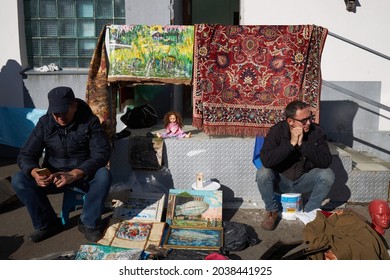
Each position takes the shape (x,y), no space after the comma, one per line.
(190,238)
(194,208)
(101,252)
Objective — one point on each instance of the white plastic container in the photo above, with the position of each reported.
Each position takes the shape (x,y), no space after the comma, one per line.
(291,204)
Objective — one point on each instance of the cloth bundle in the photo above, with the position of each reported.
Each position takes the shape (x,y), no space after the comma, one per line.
(348,235)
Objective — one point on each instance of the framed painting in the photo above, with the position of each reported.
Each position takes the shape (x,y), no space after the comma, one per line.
(194,208)
(155,53)
(194,238)
(101,252)
(130,234)
(139,207)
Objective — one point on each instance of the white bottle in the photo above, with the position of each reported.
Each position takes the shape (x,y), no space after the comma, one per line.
(199,180)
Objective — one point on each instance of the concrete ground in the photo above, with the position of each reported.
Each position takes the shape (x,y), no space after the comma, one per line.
(16,225)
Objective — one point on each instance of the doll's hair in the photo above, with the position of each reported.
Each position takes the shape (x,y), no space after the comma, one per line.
(179,119)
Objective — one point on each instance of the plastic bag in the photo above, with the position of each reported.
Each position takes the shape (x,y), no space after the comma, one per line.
(238,236)
(140,117)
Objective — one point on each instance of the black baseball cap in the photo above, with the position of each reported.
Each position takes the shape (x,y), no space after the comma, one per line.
(59,99)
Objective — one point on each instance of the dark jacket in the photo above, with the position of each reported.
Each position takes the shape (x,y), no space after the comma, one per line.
(277,152)
(82,144)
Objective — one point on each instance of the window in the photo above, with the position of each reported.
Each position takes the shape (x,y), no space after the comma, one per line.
(65,32)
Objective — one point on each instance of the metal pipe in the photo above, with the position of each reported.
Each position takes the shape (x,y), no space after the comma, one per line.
(355,95)
(359,45)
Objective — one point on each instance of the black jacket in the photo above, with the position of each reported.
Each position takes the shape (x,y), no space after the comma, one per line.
(278,153)
(82,144)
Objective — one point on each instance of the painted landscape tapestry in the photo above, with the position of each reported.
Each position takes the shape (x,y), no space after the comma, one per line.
(155,53)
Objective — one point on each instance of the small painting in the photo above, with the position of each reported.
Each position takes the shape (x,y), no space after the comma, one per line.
(133,231)
(101,252)
(194,238)
(133,235)
(139,206)
(194,208)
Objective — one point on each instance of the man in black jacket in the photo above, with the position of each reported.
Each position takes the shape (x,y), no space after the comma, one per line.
(76,152)
(296,158)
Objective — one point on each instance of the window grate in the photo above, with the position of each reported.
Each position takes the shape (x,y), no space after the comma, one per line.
(65,32)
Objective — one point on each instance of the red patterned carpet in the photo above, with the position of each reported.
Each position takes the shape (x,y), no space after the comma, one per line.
(244,76)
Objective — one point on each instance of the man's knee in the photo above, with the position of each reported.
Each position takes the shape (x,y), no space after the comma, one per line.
(327,175)
(265,179)
(264,173)
(326,179)
(103,177)
(18,181)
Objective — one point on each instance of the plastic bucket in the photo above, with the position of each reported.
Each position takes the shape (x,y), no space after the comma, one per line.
(291,205)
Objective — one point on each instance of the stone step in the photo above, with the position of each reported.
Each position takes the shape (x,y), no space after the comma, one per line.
(359,178)
(369,176)
(346,158)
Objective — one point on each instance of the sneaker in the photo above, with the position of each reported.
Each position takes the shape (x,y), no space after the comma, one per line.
(44,233)
(270,220)
(91,234)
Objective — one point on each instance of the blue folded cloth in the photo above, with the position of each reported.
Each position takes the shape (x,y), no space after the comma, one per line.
(256,151)
(17,123)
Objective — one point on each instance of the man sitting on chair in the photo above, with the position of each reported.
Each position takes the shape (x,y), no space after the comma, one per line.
(295,157)
(76,152)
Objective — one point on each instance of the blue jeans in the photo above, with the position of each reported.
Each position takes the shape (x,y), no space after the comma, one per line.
(317,181)
(41,211)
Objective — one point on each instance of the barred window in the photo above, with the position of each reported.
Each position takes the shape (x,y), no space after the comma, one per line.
(65,32)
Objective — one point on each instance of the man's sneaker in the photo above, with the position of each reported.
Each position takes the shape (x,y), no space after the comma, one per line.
(270,220)
(91,234)
(41,234)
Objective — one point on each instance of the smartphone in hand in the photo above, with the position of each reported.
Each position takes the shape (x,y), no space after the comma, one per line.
(43,172)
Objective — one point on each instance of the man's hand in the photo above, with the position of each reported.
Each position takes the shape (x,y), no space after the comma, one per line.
(41,180)
(296,136)
(61,179)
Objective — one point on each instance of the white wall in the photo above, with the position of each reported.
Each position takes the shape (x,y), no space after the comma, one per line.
(9,33)
(11,85)
(340,61)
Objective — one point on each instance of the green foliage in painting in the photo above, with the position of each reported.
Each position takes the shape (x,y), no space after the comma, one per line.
(151,51)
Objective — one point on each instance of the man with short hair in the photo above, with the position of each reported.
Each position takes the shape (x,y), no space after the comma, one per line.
(76,152)
(296,159)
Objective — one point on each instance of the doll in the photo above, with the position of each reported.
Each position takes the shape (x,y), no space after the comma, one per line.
(173,123)
(380,215)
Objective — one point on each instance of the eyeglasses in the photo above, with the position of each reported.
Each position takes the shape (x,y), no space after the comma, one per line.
(305,120)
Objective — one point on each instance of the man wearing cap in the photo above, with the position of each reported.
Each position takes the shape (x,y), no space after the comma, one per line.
(76,152)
